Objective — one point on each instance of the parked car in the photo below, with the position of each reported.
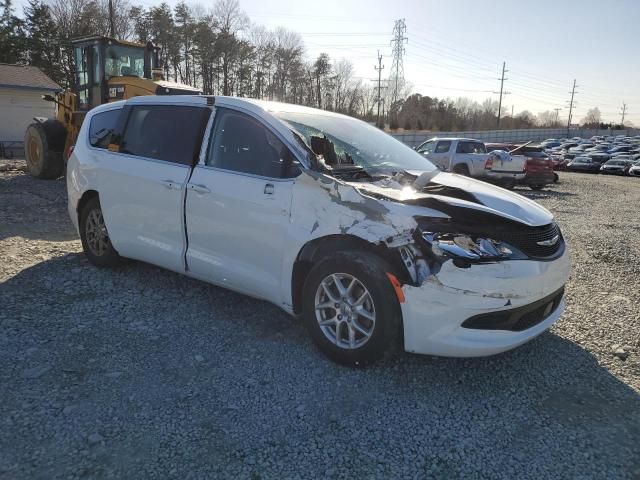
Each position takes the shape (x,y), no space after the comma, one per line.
(537,166)
(547,144)
(634,170)
(464,156)
(599,157)
(583,164)
(620,149)
(321,214)
(577,150)
(559,162)
(616,167)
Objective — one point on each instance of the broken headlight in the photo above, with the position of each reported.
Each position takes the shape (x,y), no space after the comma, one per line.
(469,247)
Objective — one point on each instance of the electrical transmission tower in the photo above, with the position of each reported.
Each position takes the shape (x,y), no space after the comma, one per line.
(396,75)
(379,68)
(623,112)
(571,105)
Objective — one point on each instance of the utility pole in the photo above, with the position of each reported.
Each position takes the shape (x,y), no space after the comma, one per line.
(624,111)
(511,111)
(396,75)
(557,110)
(379,68)
(573,93)
(112,33)
(502,79)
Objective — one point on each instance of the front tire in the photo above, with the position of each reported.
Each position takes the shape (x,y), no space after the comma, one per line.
(536,187)
(351,309)
(43,147)
(95,238)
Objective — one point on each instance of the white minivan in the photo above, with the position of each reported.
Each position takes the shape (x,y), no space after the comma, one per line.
(322,214)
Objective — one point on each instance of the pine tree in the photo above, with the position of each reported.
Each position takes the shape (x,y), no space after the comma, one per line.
(42,45)
(12,35)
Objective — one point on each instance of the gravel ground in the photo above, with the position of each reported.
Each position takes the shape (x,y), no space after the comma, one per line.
(143,373)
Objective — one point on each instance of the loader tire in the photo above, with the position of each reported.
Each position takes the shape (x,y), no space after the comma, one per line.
(43,147)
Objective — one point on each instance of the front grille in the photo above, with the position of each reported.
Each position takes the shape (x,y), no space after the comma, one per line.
(527,240)
(517,319)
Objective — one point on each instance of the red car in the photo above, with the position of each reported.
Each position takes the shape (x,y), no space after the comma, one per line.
(538,165)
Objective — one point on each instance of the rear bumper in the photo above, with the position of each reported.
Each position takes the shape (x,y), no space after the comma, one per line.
(538,178)
(497,175)
(434,313)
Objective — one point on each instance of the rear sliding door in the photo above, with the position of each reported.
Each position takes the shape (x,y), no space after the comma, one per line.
(142,184)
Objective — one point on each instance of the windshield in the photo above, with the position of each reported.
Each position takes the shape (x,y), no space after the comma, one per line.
(357,141)
(124,61)
(582,160)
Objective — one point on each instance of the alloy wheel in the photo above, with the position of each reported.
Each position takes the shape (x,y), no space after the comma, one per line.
(96,233)
(345,311)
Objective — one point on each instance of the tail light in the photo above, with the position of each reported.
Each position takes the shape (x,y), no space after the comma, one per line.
(70,150)
(526,165)
(488,164)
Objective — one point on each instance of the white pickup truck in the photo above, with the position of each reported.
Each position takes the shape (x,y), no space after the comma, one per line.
(469,157)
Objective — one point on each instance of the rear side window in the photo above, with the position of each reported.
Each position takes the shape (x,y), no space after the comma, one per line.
(172,133)
(471,147)
(242,144)
(443,147)
(102,128)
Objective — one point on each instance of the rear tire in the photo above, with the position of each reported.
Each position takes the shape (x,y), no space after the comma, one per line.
(536,187)
(43,147)
(95,238)
(363,323)
(461,169)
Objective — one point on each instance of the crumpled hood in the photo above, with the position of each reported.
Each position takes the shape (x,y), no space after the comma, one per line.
(463,192)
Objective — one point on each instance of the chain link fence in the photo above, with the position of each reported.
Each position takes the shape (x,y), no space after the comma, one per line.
(413,139)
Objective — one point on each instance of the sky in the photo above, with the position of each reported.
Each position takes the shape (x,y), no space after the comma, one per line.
(456,48)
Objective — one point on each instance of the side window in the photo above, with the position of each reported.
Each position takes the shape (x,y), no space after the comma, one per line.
(242,144)
(443,147)
(478,147)
(102,128)
(165,132)
(426,147)
(463,147)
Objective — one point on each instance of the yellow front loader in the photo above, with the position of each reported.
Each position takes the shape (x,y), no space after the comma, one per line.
(106,70)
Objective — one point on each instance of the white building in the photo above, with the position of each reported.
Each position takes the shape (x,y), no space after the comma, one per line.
(21,90)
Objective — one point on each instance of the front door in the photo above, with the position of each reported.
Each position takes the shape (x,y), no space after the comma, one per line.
(441,156)
(238,206)
(143,184)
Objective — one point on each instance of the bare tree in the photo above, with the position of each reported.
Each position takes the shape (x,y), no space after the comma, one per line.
(592,118)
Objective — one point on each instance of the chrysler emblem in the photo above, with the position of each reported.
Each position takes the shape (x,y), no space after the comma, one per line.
(548,243)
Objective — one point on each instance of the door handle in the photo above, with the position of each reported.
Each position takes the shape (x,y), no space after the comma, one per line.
(269,189)
(170,184)
(199,188)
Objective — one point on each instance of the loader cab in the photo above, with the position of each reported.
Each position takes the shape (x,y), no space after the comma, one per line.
(99,59)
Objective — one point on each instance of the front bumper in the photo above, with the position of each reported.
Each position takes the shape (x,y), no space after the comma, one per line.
(433,313)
